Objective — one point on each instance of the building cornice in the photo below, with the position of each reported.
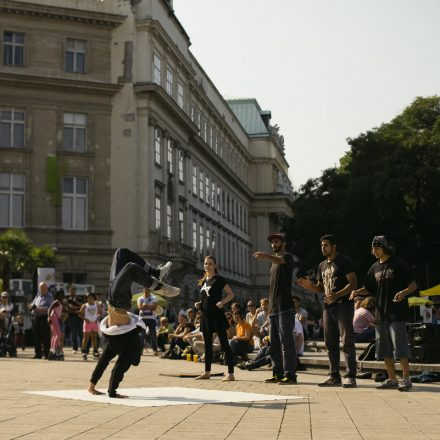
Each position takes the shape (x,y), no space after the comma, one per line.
(156,29)
(60,84)
(60,13)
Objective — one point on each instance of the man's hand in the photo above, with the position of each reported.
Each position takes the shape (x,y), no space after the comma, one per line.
(331,298)
(398,297)
(260,255)
(305,283)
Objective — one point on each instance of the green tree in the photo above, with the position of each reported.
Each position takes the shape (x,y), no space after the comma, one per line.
(18,255)
(386,183)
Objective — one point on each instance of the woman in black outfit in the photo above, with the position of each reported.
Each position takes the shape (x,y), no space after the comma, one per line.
(213,319)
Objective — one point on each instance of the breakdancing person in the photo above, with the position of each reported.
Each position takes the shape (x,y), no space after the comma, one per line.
(121,328)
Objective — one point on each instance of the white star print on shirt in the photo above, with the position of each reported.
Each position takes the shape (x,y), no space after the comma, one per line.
(206,289)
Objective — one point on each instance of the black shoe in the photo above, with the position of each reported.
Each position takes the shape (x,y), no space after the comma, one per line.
(331,382)
(287,380)
(273,379)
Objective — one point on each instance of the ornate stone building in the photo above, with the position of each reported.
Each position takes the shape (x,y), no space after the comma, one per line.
(113,135)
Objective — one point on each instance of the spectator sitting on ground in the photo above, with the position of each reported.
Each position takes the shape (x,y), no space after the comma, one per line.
(252,312)
(230,331)
(236,307)
(260,323)
(162,334)
(191,316)
(177,343)
(312,328)
(363,320)
(301,314)
(242,343)
(261,359)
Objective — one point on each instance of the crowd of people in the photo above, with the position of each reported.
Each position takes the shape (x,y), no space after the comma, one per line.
(219,329)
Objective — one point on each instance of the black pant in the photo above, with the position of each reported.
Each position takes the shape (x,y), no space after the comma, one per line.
(41,335)
(208,332)
(128,267)
(128,348)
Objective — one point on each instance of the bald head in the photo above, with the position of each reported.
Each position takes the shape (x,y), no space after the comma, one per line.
(42,288)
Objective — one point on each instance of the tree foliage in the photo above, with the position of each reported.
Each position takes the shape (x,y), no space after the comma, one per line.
(386,183)
(18,255)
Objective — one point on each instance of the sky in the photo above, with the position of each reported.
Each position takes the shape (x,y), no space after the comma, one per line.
(327,69)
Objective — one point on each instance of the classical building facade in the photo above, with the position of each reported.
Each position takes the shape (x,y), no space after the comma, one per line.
(112,135)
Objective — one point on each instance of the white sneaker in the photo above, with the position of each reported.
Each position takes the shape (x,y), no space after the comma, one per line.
(168,291)
(164,271)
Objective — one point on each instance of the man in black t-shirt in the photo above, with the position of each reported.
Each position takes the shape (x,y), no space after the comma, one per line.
(391,280)
(336,278)
(281,311)
(73,306)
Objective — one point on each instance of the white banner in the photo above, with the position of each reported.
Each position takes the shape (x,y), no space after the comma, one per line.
(47,275)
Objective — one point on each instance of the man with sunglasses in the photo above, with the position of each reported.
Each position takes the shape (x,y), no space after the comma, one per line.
(391,280)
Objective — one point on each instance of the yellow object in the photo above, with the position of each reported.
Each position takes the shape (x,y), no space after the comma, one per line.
(432,291)
(418,301)
(188,357)
(195,358)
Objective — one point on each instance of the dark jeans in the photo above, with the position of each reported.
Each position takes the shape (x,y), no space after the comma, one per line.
(367,335)
(338,324)
(151,325)
(240,348)
(261,359)
(207,337)
(41,335)
(162,339)
(282,344)
(76,332)
(125,346)
(128,267)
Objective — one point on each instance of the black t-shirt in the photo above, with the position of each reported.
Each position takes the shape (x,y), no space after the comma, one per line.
(384,280)
(212,293)
(333,276)
(280,296)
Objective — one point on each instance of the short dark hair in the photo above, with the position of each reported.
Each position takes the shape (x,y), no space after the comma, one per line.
(330,238)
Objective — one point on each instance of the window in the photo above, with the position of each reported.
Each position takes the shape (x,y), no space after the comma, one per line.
(76,55)
(11,128)
(12,200)
(74,132)
(13,49)
(181,226)
(197,117)
(201,239)
(169,221)
(74,203)
(169,156)
(157,210)
(201,185)
(208,241)
(169,82)
(210,139)
(157,146)
(220,147)
(228,208)
(194,180)
(213,243)
(180,166)
(213,194)
(156,69)
(205,130)
(223,203)
(180,94)
(194,236)
(216,141)
(218,199)
(193,113)
(207,186)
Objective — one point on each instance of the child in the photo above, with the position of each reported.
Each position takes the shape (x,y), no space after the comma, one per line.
(90,313)
(53,318)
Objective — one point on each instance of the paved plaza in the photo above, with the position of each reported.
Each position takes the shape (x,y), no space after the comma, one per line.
(335,413)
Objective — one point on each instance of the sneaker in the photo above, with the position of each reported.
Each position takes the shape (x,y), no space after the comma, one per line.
(287,380)
(330,382)
(168,291)
(164,271)
(388,384)
(349,382)
(273,379)
(405,385)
